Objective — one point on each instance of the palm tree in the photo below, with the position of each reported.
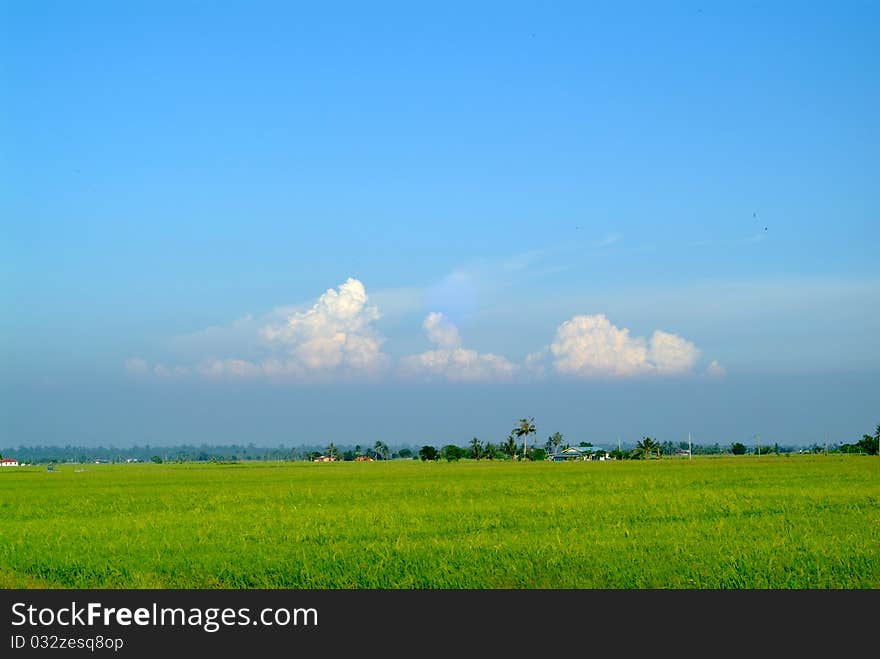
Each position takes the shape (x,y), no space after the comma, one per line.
(646,447)
(476,448)
(556,440)
(489,451)
(332,451)
(524,428)
(381,449)
(509,447)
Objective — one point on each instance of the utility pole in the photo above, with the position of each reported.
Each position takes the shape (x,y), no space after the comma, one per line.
(690,448)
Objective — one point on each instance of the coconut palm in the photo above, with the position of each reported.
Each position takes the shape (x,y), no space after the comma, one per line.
(556,440)
(489,451)
(476,448)
(646,447)
(524,428)
(381,449)
(509,447)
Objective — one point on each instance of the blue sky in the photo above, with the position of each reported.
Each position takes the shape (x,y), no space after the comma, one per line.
(291,224)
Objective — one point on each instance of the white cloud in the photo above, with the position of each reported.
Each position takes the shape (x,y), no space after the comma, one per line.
(440,331)
(336,334)
(452,362)
(589,346)
(334,337)
(670,353)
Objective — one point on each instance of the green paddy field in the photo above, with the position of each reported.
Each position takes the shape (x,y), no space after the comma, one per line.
(795,522)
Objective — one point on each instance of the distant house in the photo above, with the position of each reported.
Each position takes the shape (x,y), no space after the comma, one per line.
(579,453)
(363,458)
(8,462)
(325,458)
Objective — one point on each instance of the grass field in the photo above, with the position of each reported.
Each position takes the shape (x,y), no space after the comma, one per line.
(737,522)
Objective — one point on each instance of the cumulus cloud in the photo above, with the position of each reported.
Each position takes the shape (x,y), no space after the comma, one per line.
(590,345)
(450,361)
(336,334)
(334,337)
(441,331)
(670,353)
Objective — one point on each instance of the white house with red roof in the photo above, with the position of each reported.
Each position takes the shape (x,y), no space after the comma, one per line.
(8,462)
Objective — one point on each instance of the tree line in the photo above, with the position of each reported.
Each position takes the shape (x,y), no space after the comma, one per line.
(40,454)
(514,447)
(645,448)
